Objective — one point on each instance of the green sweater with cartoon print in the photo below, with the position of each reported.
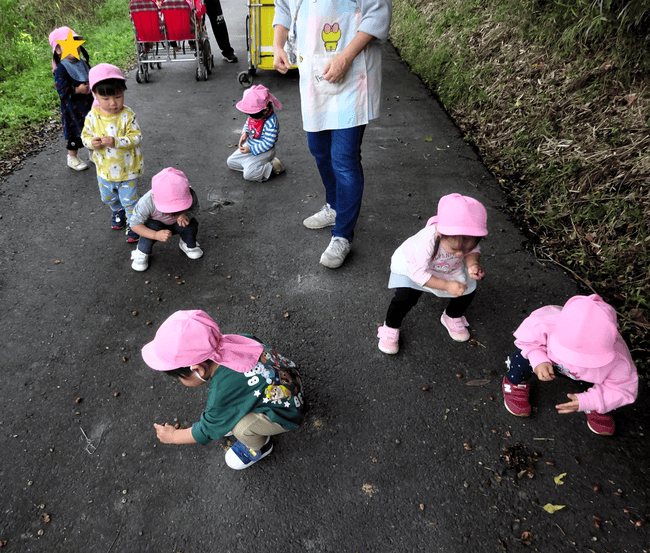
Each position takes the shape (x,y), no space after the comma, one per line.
(273,387)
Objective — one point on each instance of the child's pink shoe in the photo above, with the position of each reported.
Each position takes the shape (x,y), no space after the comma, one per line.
(455,327)
(600,424)
(388,339)
(515,398)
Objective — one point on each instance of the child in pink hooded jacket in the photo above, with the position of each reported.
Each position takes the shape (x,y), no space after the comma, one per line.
(443,259)
(581,341)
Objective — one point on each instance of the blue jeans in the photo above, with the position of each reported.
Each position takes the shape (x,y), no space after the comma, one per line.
(338,157)
(187,234)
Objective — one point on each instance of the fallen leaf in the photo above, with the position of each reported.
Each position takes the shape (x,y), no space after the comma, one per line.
(467,446)
(482,382)
(549,508)
(46,518)
(286,315)
(369,489)
(526,538)
(56,262)
(78,400)
(558,479)
(116,394)
(428,139)
(421,506)
(148,323)
(134,313)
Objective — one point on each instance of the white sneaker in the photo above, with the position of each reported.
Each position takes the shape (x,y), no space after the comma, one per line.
(140,260)
(192,253)
(326,217)
(334,255)
(277,166)
(76,163)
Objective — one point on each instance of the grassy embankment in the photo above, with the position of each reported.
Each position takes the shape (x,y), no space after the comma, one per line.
(27,94)
(557,101)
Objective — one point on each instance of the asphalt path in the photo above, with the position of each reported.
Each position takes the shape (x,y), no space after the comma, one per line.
(398,453)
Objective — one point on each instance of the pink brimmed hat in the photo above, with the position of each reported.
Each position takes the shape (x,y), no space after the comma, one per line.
(585,333)
(256,98)
(460,216)
(188,338)
(171,191)
(102,72)
(59,34)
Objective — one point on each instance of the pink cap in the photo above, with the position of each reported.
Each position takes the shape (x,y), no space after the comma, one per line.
(585,333)
(256,98)
(171,191)
(102,72)
(460,216)
(60,33)
(188,338)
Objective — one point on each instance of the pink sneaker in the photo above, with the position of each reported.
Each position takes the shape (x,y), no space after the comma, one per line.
(515,397)
(598,423)
(388,339)
(455,327)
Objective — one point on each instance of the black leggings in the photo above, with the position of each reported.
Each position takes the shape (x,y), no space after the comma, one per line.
(405,299)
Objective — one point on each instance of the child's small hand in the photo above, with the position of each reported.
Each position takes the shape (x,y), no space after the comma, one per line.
(163,235)
(108,141)
(242,139)
(244,150)
(475,272)
(544,371)
(183,220)
(570,407)
(82,89)
(165,433)
(96,142)
(455,288)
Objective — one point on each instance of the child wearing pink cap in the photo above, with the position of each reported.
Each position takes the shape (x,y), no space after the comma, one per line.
(112,133)
(253,392)
(442,259)
(255,154)
(581,341)
(71,81)
(169,208)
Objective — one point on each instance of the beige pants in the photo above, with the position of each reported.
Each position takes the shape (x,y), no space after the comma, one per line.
(253,429)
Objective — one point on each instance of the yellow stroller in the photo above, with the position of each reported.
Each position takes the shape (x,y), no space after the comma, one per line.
(259,39)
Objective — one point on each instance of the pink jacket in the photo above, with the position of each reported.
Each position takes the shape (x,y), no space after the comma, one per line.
(615,384)
(414,259)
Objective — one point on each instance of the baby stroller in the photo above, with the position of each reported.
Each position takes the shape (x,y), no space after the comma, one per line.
(259,39)
(170,31)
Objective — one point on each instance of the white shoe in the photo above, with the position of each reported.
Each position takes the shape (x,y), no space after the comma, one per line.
(240,457)
(140,260)
(192,253)
(326,217)
(277,166)
(76,163)
(335,254)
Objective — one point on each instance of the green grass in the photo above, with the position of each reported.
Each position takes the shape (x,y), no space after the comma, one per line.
(27,87)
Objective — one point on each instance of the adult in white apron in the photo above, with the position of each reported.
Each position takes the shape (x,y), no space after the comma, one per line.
(336,43)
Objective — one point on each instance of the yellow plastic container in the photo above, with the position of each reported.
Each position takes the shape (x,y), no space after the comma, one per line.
(259,39)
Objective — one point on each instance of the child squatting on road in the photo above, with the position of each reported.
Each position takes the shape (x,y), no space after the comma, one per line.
(169,208)
(253,392)
(71,80)
(255,154)
(581,341)
(443,259)
(114,137)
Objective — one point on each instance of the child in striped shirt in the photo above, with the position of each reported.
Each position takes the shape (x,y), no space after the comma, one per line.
(255,155)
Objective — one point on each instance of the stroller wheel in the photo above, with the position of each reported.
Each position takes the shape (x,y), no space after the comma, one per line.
(245,79)
(146,75)
(159,65)
(198,74)
(138,76)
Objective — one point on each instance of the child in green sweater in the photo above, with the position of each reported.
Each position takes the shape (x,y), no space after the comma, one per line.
(253,392)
